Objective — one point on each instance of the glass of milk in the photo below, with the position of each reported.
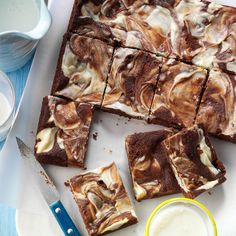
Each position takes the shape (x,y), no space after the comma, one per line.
(181,217)
(7,105)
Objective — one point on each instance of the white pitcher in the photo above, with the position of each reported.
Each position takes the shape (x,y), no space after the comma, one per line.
(17,43)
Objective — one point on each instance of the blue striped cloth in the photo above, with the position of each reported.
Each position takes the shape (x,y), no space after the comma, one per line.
(7,215)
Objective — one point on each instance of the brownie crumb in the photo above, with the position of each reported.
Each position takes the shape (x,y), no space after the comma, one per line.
(110,151)
(95,135)
(66,184)
(117,124)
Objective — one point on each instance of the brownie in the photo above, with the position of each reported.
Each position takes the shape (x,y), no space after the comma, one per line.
(194,161)
(131,82)
(150,171)
(82,69)
(63,132)
(140,27)
(177,94)
(207,34)
(217,108)
(102,200)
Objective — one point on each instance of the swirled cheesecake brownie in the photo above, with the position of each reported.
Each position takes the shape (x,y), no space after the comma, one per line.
(131,82)
(217,112)
(63,132)
(82,69)
(102,200)
(150,171)
(194,161)
(177,94)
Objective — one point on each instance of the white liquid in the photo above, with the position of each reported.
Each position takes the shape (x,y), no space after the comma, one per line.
(19,15)
(5,109)
(178,220)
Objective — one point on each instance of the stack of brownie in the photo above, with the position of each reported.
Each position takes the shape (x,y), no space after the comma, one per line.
(169,62)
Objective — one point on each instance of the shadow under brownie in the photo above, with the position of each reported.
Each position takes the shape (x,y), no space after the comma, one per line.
(63,132)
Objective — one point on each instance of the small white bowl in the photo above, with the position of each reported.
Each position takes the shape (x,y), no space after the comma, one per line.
(7,90)
(173,204)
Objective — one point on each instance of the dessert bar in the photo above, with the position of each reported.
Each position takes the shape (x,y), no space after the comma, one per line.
(82,69)
(102,200)
(150,171)
(217,109)
(194,161)
(177,94)
(63,132)
(131,82)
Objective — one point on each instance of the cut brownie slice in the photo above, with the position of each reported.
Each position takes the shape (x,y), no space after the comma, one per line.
(150,171)
(217,112)
(102,200)
(131,83)
(207,34)
(145,27)
(63,132)
(82,69)
(177,94)
(194,161)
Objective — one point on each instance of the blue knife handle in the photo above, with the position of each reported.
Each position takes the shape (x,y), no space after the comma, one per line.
(63,219)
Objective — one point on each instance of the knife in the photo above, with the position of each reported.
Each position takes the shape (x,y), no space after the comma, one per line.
(49,191)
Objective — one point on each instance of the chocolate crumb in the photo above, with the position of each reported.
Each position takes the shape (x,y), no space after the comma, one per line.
(209,193)
(117,124)
(66,184)
(95,135)
(110,151)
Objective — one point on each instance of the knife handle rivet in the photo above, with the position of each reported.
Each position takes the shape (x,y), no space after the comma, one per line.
(70,231)
(57,210)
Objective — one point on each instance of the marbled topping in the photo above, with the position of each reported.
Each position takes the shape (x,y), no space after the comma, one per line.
(193,161)
(217,110)
(177,94)
(157,25)
(102,200)
(131,82)
(67,128)
(149,167)
(102,10)
(86,63)
(208,34)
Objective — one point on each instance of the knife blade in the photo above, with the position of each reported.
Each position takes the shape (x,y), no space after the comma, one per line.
(48,190)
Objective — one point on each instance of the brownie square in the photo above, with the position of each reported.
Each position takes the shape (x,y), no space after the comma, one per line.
(63,132)
(140,27)
(208,34)
(177,94)
(102,200)
(131,82)
(82,69)
(149,168)
(217,108)
(194,161)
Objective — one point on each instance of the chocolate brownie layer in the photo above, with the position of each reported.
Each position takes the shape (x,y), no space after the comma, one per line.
(102,200)
(82,69)
(177,94)
(131,82)
(194,161)
(63,132)
(150,171)
(217,110)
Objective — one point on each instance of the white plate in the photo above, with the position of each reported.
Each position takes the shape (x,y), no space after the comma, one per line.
(108,147)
